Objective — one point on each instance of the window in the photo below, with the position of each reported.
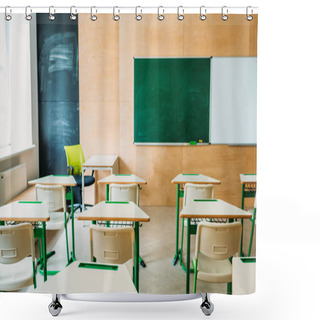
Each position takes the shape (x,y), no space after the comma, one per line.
(15,86)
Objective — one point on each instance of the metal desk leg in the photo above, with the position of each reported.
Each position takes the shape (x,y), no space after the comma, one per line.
(82,190)
(73,253)
(136,262)
(107,192)
(176,257)
(44,250)
(188,257)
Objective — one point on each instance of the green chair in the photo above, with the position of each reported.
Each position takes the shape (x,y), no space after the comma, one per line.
(75,159)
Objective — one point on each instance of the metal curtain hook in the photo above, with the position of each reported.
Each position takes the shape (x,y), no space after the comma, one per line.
(224,15)
(7,16)
(73,14)
(28,13)
(249,17)
(203,15)
(93,17)
(138,16)
(51,13)
(160,16)
(116,17)
(180,15)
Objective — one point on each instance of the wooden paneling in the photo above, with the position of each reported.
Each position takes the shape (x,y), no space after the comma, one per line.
(106,52)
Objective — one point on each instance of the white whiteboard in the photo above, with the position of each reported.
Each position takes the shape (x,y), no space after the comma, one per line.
(233,101)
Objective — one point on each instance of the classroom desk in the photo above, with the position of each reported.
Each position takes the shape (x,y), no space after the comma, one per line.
(180,180)
(249,183)
(33,212)
(119,211)
(89,278)
(66,181)
(99,162)
(208,209)
(121,179)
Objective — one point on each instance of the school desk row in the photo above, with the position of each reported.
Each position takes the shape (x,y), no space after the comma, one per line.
(115,211)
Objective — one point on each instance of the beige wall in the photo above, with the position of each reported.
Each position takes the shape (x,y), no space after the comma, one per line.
(106,51)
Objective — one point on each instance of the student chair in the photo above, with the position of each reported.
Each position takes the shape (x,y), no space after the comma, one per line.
(194,191)
(17,257)
(113,245)
(54,196)
(216,244)
(253,223)
(124,192)
(75,159)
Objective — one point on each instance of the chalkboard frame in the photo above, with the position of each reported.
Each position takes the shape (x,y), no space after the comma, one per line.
(209,107)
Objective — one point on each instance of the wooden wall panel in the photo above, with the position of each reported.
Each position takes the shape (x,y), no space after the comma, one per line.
(106,56)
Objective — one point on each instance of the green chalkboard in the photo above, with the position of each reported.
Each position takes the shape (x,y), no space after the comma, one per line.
(171,100)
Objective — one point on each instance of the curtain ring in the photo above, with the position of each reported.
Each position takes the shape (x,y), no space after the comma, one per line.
(203,15)
(138,16)
(7,16)
(160,16)
(224,15)
(51,13)
(180,16)
(116,17)
(73,16)
(249,17)
(93,17)
(28,13)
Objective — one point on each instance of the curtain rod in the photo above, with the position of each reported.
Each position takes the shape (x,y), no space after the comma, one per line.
(126,10)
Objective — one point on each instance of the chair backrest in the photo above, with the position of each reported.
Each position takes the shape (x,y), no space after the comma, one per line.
(16,243)
(53,195)
(219,241)
(112,245)
(75,158)
(123,192)
(197,191)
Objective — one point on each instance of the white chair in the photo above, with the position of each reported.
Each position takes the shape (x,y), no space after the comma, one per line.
(113,245)
(215,244)
(17,257)
(124,192)
(194,191)
(197,191)
(54,196)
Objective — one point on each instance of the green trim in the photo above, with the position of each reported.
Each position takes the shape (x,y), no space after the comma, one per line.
(97,266)
(123,202)
(190,174)
(248,260)
(249,174)
(205,200)
(29,201)
(122,174)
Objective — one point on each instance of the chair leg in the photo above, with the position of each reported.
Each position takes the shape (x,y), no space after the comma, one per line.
(66,233)
(181,246)
(195,268)
(229,288)
(34,275)
(251,236)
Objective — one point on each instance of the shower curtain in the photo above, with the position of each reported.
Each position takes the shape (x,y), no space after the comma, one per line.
(168,96)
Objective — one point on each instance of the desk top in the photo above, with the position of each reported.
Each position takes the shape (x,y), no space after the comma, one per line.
(248,178)
(194,178)
(114,211)
(213,209)
(28,211)
(100,161)
(95,279)
(122,178)
(64,180)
